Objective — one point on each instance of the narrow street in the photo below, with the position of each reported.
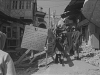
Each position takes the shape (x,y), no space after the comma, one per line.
(71,67)
(32,32)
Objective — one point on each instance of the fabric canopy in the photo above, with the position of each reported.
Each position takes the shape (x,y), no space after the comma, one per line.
(71,14)
(6,17)
(83,23)
(91,11)
(73,9)
(74,4)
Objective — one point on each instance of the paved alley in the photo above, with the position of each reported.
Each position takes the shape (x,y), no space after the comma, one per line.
(74,67)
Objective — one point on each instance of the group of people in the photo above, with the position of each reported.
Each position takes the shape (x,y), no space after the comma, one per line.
(68,40)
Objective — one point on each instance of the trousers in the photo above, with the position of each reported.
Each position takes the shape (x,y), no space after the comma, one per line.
(76,50)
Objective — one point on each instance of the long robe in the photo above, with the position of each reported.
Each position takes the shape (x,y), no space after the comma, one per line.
(69,41)
(76,42)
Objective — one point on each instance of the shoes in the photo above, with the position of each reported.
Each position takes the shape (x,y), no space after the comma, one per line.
(56,62)
(77,58)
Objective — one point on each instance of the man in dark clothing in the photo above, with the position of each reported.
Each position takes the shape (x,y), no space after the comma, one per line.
(60,37)
(76,42)
(69,42)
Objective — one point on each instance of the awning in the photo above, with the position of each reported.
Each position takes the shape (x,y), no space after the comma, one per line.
(74,4)
(40,14)
(9,18)
(71,13)
(72,17)
(91,11)
(73,9)
(83,23)
(27,20)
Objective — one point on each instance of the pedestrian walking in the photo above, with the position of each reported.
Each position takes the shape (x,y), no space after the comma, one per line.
(76,42)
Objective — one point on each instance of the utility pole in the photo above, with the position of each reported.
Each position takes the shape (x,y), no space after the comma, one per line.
(54,19)
(49,19)
(34,10)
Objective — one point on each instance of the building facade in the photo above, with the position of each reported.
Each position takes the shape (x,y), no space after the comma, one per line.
(23,9)
(12,27)
(14,15)
(90,23)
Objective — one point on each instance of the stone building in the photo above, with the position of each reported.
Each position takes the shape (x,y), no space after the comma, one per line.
(85,13)
(11,26)
(14,15)
(91,12)
(23,9)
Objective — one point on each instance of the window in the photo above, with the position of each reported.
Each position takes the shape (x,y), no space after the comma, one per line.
(14,5)
(12,42)
(28,5)
(7,6)
(8,32)
(21,5)
(21,34)
(4,29)
(14,32)
(40,19)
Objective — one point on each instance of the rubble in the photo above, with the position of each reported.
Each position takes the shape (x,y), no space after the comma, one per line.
(90,55)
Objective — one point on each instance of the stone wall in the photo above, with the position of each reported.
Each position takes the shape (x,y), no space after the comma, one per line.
(93,36)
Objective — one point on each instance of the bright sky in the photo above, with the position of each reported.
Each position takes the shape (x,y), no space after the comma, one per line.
(54,5)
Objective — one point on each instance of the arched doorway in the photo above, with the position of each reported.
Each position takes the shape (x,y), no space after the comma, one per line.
(42,26)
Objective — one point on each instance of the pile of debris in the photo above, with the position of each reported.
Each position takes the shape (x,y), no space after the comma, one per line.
(90,55)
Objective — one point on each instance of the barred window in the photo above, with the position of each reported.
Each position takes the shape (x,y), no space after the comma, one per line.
(21,5)
(28,5)
(14,32)
(14,4)
(8,32)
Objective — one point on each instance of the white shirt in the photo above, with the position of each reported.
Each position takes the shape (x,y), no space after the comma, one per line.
(6,64)
(61,22)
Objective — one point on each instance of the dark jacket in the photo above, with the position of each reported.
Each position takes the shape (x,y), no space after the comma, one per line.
(76,35)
